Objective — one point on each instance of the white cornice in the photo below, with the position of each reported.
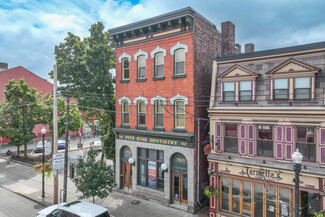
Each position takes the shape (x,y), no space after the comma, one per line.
(158,50)
(140,98)
(178,46)
(120,100)
(139,53)
(172,100)
(124,55)
(161,98)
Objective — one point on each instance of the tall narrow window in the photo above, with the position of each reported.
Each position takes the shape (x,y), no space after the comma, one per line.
(306,143)
(179,114)
(245,91)
(228,91)
(231,138)
(265,141)
(141,113)
(141,67)
(159,65)
(159,114)
(125,112)
(179,62)
(281,90)
(125,69)
(302,89)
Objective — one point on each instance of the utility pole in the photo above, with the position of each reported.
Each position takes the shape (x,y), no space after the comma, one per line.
(55,132)
(65,181)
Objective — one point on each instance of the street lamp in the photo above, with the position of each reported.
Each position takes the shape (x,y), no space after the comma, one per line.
(297,159)
(43,131)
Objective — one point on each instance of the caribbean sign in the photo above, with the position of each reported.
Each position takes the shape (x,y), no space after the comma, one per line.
(171,142)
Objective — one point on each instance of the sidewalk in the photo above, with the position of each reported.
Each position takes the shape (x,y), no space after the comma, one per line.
(20,178)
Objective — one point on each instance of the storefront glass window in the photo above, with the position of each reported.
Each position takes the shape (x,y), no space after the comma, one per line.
(150,173)
(310,202)
(225,194)
(235,195)
(247,198)
(284,202)
(258,200)
(270,201)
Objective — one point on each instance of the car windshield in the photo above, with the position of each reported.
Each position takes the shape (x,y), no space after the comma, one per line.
(105,214)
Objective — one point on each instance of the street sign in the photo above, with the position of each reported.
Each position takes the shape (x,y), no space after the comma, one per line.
(47,147)
(58,161)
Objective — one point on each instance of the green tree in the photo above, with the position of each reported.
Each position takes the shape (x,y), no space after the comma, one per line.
(75,117)
(93,178)
(20,112)
(84,67)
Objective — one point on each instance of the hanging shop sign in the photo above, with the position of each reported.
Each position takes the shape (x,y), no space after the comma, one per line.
(171,142)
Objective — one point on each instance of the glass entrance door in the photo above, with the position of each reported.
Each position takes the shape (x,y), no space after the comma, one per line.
(180,187)
(126,175)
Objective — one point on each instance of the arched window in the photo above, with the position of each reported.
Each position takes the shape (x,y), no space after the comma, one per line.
(125,69)
(125,112)
(141,67)
(179,111)
(159,114)
(141,114)
(179,67)
(159,64)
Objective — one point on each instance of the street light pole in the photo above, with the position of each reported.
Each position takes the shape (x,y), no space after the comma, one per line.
(43,131)
(297,159)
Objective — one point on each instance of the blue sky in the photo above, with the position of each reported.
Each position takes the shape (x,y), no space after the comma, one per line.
(29,29)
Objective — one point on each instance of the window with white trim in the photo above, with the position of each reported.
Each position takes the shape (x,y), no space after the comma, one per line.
(179,114)
(229,91)
(281,89)
(302,88)
(141,67)
(125,69)
(179,67)
(159,114)
(125,112)
(159,64)
(141,113)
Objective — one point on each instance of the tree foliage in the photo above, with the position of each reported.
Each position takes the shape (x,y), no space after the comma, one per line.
(75,118)
(84,71)
(20,112)
(93,178)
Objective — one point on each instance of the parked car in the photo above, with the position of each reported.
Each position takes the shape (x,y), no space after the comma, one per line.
(77,208)
(61,144)
(98,145)
(39,146)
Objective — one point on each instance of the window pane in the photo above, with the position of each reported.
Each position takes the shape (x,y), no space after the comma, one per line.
(306,143)
(159,120)
(235,195)
(161,155)
(152,154)
(126,63)
(180,55)
(310,202)
(180,120)
(142,72)
(229,96)
(284,202)
(141,61)
(265,141)
(302,82)
(247,198)
(126,73)
(280,83)
(125,118)
(180,68)
(231,130)
(281,94)
(142,152)
(180,106)
(125,106)
(159,70)
(245,95)
(231,140)
(142,107)
(245,85)
(225,194)
(142,172)
(159,59)
(228,86)
(258,200)
(303,93)
(160,177)
(270,201)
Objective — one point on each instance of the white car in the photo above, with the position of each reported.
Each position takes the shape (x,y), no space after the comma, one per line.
(98,145)
(77,208)
(39,146)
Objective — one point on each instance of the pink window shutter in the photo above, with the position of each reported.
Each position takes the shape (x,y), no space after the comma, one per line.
(218,137)
(251,139)
(321,146)
(288,142)
(242,139)
(279,142)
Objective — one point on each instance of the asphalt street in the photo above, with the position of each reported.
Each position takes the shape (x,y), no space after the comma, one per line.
(14,205)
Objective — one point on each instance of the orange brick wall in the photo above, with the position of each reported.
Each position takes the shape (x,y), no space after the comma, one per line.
(167,88)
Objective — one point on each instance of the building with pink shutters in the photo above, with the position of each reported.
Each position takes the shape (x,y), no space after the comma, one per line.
(263,106)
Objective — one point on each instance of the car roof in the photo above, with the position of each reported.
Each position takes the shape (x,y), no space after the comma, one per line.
(84,208)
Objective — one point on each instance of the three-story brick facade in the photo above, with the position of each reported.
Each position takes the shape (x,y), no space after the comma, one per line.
(163,71)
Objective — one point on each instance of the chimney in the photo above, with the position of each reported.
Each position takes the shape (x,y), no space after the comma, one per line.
(3,66)
(249,48)
(227,38)
(237,48)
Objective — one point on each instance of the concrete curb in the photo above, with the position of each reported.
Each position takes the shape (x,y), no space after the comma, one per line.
(27,197)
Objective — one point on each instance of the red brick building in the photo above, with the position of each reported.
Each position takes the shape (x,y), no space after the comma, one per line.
(163,79)
(33,81)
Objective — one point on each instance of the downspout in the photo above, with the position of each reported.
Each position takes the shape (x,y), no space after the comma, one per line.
(198,163)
